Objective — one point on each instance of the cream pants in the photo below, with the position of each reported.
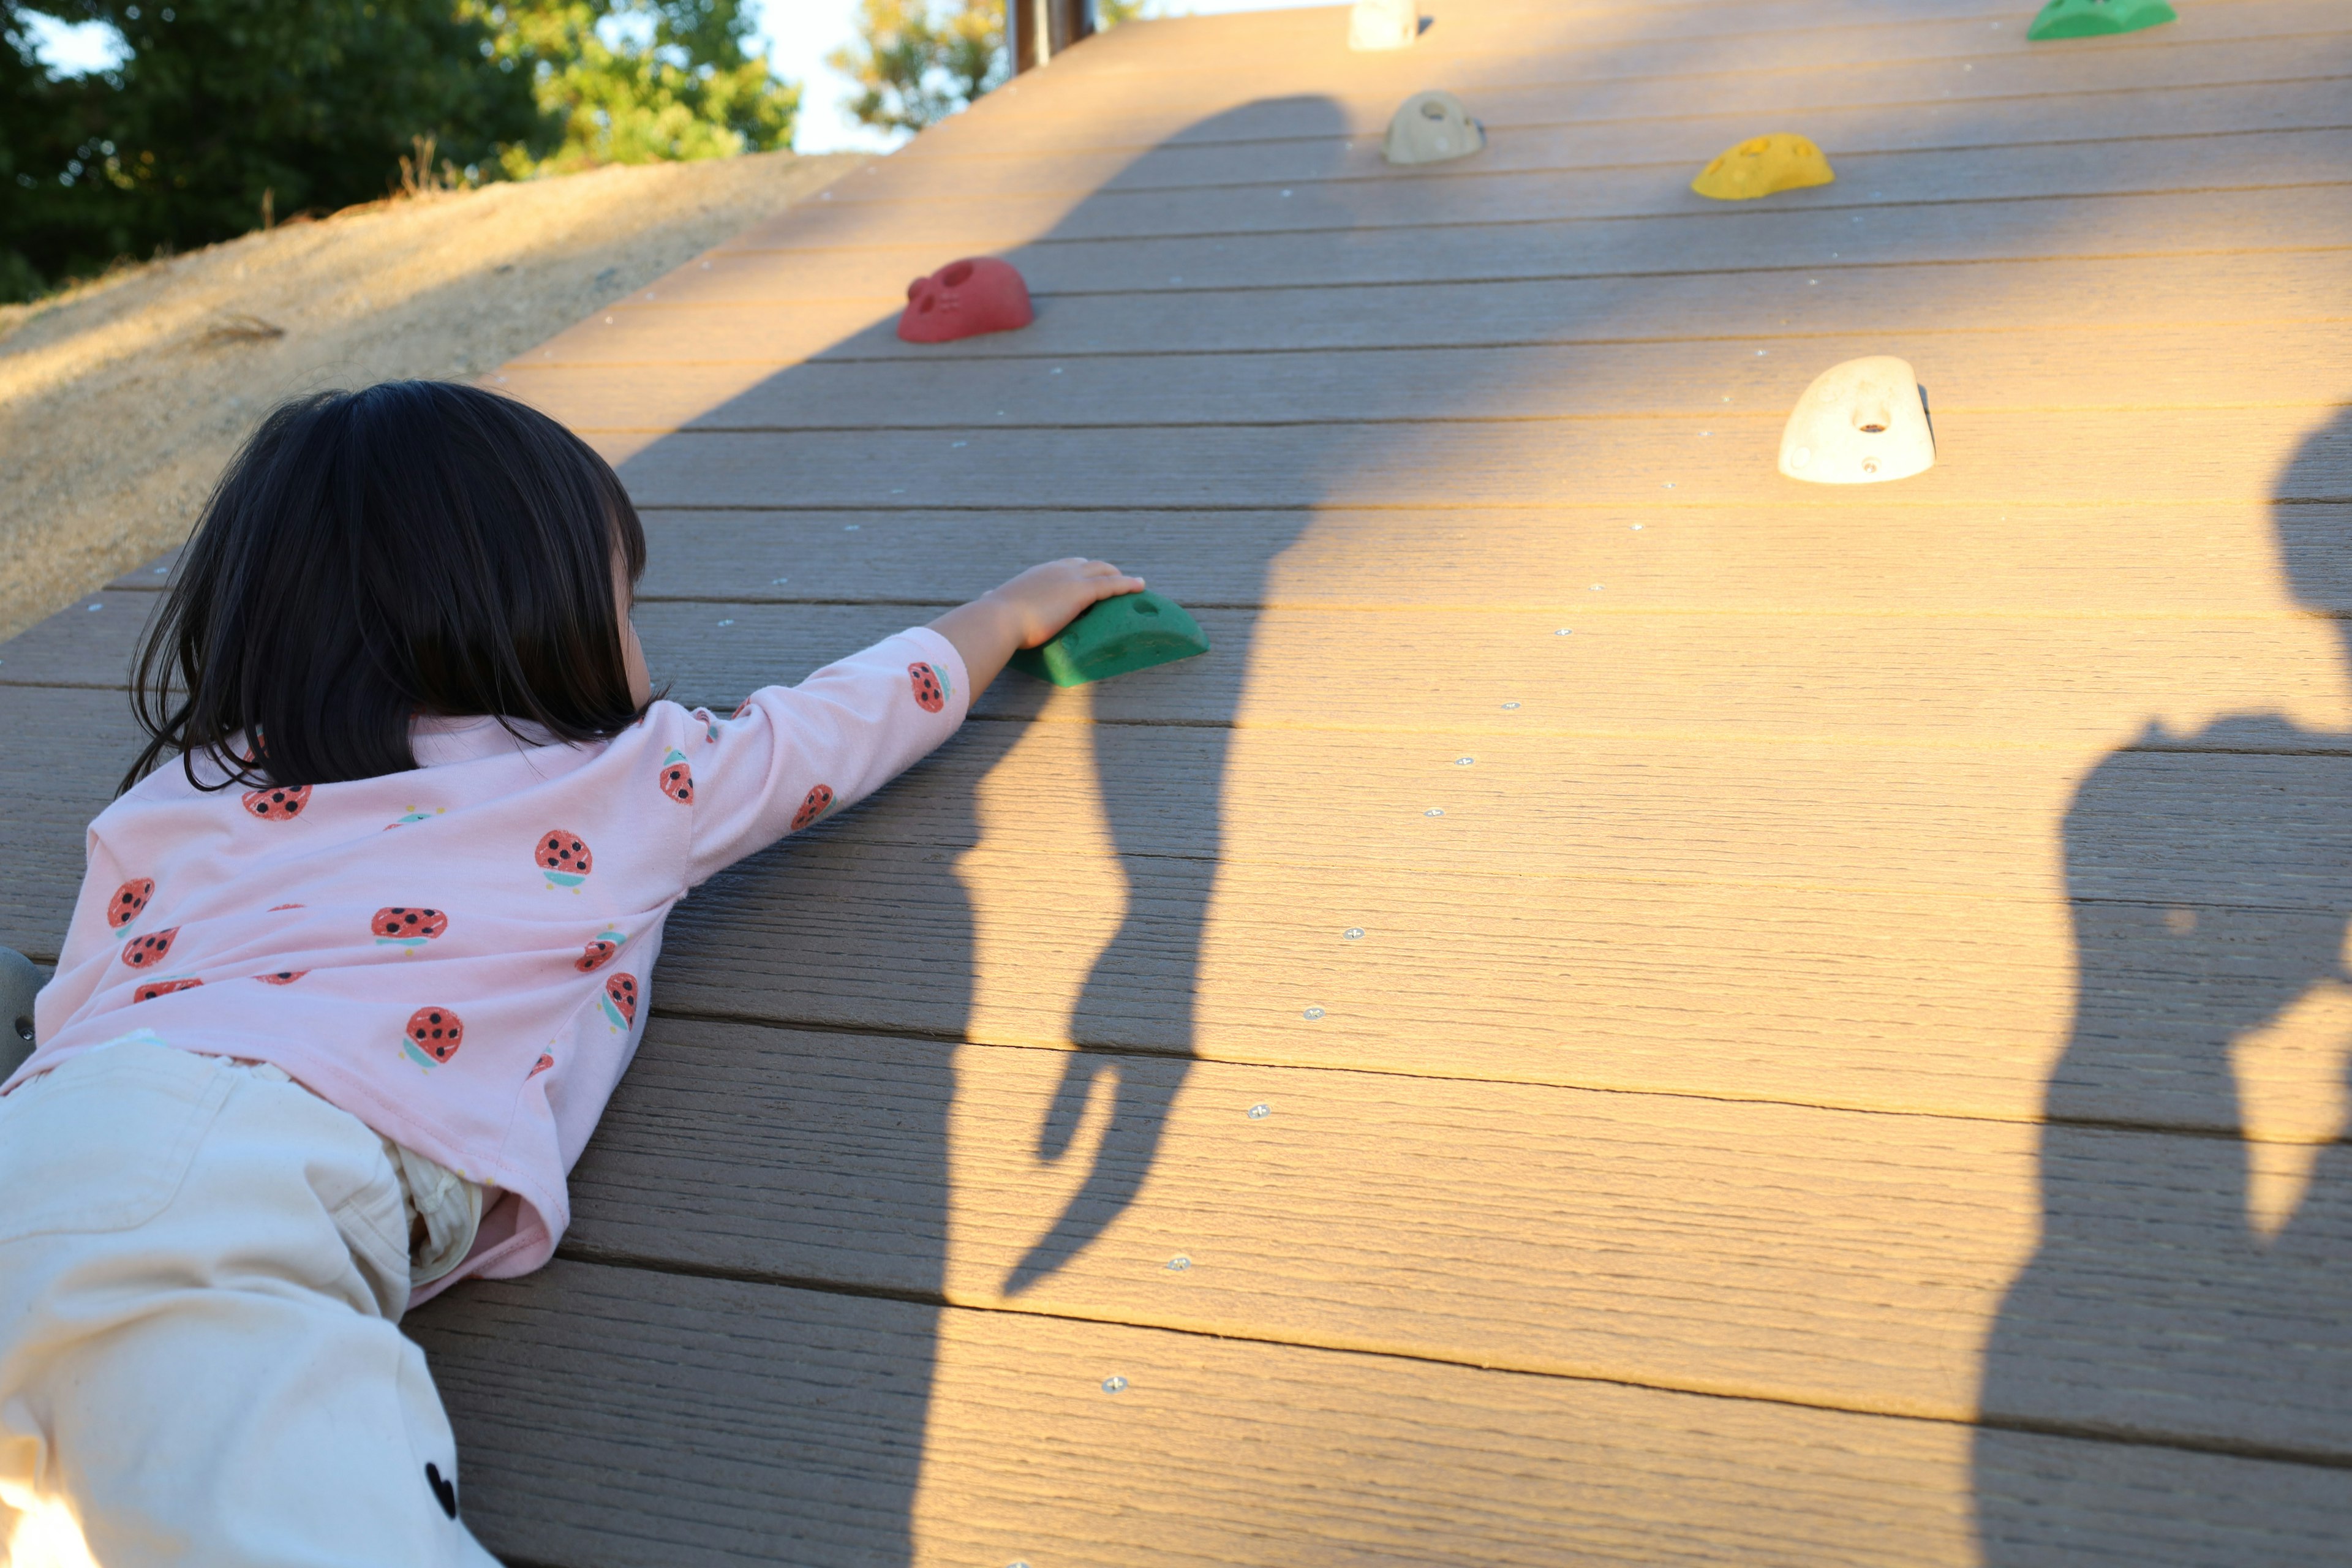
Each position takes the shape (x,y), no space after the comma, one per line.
(201,1266)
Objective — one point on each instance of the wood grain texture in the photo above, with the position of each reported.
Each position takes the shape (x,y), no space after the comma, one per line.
(2286,366)
(1584,669)
(679,321)
(1988,458)
(1884,184)
(1529,93)
(1762,60)
(1530,130)
(2212,559)
(2225,222)
(749,1421)
(1775,1252)
(1791,994)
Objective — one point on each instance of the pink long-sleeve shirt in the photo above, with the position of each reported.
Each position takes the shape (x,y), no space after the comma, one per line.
(458,955)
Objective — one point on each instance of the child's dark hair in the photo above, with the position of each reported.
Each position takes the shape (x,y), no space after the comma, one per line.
(418,547)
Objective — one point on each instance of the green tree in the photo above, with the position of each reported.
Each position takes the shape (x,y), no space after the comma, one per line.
(223,102)
(637,81)
(222,106)
(916,62)
(34,129)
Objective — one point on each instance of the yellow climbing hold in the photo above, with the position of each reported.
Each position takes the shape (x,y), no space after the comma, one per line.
(1763,164)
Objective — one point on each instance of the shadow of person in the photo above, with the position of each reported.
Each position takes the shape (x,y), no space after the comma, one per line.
(1170,884)
(2192,1287)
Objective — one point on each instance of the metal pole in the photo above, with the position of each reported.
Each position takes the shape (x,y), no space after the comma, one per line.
(1037,30)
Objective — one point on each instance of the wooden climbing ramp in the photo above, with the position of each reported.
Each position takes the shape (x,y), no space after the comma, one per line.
(1632,1010)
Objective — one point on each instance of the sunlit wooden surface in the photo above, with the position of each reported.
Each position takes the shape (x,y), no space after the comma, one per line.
(1632,1010)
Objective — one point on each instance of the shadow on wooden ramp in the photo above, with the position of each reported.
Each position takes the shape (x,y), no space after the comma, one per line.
(2159,1302)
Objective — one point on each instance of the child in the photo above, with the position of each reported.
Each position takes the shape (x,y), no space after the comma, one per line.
(362,952)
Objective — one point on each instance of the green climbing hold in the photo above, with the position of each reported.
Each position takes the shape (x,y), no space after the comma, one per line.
(1118,636)
(2087,18)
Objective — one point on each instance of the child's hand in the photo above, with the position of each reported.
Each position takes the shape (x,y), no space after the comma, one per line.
(1046,598)
(1027,611)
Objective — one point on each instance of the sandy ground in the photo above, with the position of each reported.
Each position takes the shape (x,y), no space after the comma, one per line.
(121,402)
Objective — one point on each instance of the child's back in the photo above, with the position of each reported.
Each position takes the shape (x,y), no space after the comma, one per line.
(355,969)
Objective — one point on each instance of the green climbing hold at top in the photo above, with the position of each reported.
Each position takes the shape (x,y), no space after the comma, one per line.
(1118,636)
(2087,18)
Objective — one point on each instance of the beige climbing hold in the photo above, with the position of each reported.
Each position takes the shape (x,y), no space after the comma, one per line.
(1861,423)
(1383,24)
(1431,128)
(1763,164)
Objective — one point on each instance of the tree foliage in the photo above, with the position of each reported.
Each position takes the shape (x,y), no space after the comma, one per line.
(221,100)
(639,81)
(918,61)
(226,108)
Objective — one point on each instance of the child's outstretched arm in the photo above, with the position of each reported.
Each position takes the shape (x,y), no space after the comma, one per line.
(794,755)
(1027,611)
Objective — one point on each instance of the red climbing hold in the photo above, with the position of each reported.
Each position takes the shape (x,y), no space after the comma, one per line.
(964,299)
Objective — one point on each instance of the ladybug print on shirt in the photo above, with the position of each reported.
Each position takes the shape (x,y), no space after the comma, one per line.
(433,1036)
(283,977)
(565,858)
(546,1060)
(147,952)
(930,691)
(620,1001)
(599,952)
(154,988)
(127,900)
(677,778)
(819,801)
(407,928)
(277,805)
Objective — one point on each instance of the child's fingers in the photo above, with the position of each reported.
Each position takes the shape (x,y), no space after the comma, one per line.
(1113,586)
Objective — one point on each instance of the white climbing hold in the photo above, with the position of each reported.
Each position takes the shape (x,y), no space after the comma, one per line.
(1431,127)
(1862,422)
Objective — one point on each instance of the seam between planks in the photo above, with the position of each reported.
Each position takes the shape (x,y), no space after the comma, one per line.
(983,355)
(1575,52)
(1416,421)
(950,151)
(2315,1459)
(1373,176)
(1482,280)
(958,1038)
(1863,205)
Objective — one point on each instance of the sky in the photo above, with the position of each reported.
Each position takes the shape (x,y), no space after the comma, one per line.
(798,34)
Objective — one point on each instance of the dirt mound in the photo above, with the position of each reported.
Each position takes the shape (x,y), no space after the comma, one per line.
(120,402)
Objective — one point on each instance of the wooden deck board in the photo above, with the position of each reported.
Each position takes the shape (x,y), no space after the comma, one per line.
(1856,1071)
(1180,77)
(2000,680)
(769,1424)
(1527,135)
(1990,457)
(1760,1251)
(2283,366)
(2121,294)
(1953,560)
(2227,223)
(1888,185)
